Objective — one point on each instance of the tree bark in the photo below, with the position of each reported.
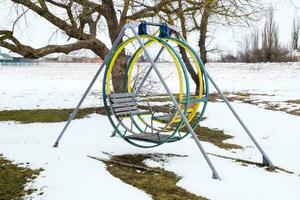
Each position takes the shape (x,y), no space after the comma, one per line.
(182,51)
(190,68)
(203,36)
(118,74)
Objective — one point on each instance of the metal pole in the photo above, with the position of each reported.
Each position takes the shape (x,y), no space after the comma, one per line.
(266,160)
(107,57)
(148,72)
(214,171)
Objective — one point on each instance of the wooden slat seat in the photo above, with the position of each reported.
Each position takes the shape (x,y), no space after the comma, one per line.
(167,117)
(152,137)
(124,104)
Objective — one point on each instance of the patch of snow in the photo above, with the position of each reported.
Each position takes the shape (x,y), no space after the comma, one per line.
(70,174)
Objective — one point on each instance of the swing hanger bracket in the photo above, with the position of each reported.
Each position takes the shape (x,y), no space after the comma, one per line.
(165,28)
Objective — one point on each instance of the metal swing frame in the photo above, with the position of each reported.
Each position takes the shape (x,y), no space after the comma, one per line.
(132,25)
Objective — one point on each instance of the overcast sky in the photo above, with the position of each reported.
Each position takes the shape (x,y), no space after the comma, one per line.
(284,10)
(226,39)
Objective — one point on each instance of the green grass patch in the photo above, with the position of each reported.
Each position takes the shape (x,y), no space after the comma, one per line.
(214,136)
(248,162)
(159,99)
(243,94)
(158,183)
(13,179)
(267,168)
(247,98)
(46,115)
(294,112)
(296,101)
(237,96)
(277,107)
(231,96)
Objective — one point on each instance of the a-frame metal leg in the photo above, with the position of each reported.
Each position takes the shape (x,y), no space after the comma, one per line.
(185,120)
(73,114)
(266,160)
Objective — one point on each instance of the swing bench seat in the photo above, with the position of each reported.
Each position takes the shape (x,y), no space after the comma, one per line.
(125,105)
(152,138)
(167,117)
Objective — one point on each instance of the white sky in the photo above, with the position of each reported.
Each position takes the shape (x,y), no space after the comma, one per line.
(285,11)
(226,39)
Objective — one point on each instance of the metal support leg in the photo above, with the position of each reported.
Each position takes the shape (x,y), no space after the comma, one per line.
(214,171)
(266,160)
(73,114)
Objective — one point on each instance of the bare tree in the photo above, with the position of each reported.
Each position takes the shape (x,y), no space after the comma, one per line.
(270,41)
(269,50)
(245,52)
(255,40)
(295,34)
(212,13)
(83,19)
(203,29)
(81,22)
(229,57)
(198,15)
(255,52)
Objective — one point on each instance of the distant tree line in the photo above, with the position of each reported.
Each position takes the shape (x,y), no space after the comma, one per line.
(264,45)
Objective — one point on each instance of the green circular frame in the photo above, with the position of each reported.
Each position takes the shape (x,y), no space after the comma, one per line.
(105,97)
(164,41)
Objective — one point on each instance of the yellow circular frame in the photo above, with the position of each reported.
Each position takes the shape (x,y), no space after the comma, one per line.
(176,118)
(151,40)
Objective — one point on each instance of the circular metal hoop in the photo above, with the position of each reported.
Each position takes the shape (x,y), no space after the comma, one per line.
(106,90)
(175,123)
(203,82)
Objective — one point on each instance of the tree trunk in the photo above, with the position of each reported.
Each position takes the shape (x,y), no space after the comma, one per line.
(203,36)
(114,27)
(183,53)
(118,73)
(190,68)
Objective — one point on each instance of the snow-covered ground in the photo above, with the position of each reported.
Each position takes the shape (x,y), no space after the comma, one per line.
(53,85)
(70,174)
(279,79)
(56,85)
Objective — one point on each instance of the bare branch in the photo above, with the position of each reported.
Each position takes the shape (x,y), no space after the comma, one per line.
(150,11)
(61,5)
(7,40)
(125,11)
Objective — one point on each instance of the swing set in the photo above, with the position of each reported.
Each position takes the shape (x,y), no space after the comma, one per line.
(159,101)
